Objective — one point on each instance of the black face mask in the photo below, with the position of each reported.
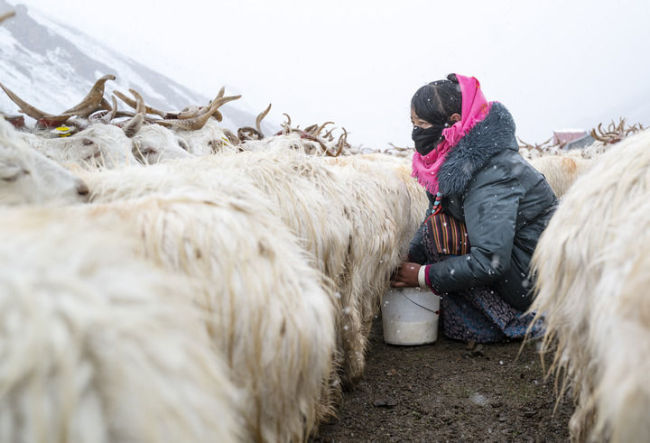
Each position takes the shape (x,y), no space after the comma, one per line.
(426,139)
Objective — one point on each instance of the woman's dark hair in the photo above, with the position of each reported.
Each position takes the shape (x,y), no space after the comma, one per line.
(438,100)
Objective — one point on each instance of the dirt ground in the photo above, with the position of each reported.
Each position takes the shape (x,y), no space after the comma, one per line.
(449,392)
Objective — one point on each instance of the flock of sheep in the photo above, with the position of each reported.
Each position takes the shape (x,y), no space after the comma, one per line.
(165,279)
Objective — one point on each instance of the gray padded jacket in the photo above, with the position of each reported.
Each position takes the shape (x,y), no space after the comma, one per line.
(505,204)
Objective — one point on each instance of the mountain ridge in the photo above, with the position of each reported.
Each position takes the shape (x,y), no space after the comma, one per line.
(52,66)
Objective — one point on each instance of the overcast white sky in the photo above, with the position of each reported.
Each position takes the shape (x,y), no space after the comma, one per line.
(554,64)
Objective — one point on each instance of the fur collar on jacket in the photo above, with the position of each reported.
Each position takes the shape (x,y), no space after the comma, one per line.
(489,137)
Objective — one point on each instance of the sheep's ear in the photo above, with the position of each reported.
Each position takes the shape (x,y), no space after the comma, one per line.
(9,172)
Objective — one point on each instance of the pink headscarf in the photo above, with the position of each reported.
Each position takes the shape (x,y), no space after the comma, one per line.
(474,109)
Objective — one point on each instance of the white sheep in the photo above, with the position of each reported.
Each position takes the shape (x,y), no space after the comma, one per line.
(356,217)
(387,207)
(271,313)
(592,277)
(29,177)
(99,145)
(286,141)
(561,171)
(155,143)
(108,146)
(98,345)
(210,139)
(307,142)
(594,150)
(312,201)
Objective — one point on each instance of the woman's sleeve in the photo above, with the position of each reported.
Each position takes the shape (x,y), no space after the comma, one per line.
(416,248)
(491,206)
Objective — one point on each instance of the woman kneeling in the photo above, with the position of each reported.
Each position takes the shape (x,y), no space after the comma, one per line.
(487,209)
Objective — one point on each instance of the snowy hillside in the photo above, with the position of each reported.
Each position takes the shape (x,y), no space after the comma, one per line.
(53,66)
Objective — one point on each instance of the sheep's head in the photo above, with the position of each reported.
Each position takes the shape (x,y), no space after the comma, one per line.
(99,145)
(196,128)
(210,139)
(155,143)
(313,141)
(29,177)
(250,133)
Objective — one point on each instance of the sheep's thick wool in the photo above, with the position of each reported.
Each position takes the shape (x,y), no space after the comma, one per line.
(593,273)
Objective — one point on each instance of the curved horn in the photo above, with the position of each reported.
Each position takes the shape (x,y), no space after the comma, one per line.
(286,126)
(32,111)
(135,124)
(328,135)
(191,112)
(621,126)
(260,117)
(611,136)
(248,133)
(120,114)
(323,146)
(288,123)
(197,111)
(9,14)
(219,102)
(321,127)
(107,113)
(192,124)
(597,137)
(93,99)
(140,108)
(220,95)
(105,105)
(343,141)
(111,114)
(132,103)
(633,129)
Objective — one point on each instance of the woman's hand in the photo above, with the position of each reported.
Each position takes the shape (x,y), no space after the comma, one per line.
(406,276)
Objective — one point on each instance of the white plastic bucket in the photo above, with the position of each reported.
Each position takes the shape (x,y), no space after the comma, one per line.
(410,316)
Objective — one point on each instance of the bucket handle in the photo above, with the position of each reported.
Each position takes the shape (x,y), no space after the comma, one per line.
(418,304)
